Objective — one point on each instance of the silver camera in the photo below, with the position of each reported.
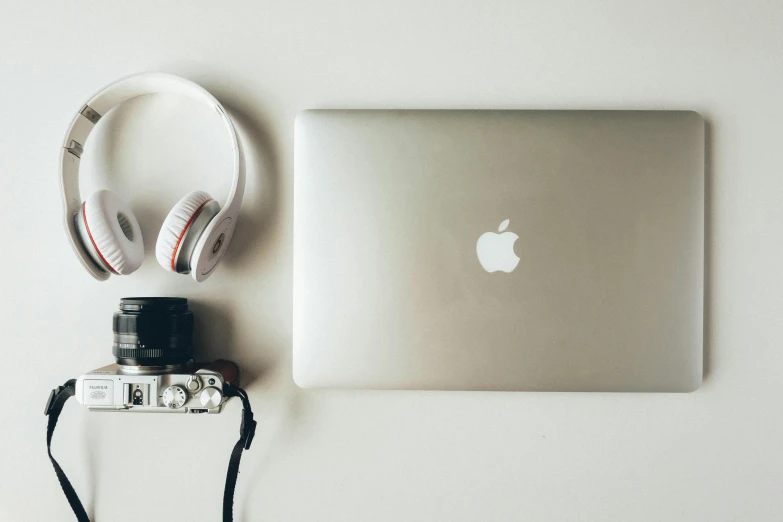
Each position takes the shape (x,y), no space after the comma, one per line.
(155,372)
(189,388)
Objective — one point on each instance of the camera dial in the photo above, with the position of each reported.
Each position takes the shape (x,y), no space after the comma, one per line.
(211,397)
(175,396)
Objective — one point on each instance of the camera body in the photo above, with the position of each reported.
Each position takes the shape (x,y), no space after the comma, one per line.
(188,388)
(155,372)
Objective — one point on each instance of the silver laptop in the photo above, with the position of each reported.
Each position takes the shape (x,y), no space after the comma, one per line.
(499,250)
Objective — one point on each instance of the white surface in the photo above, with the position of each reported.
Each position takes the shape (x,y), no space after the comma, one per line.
(713,455)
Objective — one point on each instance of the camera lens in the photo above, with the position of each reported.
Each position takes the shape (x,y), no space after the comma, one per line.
(153,331)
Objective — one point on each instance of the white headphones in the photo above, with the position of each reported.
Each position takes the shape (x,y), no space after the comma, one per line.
(104,232)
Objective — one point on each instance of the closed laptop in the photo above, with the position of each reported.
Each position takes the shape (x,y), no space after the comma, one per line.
(499,250)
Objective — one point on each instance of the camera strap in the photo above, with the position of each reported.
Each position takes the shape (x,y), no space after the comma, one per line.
(247,430)
(53,408)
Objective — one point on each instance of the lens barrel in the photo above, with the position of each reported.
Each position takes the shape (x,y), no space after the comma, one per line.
(153,331)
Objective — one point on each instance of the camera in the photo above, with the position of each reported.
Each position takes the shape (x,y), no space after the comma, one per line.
(154,372)
(154,369)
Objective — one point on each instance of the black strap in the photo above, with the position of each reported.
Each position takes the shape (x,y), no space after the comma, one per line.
(53,408)
(247,431)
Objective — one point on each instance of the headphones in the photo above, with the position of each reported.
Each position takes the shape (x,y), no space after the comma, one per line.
(102,229)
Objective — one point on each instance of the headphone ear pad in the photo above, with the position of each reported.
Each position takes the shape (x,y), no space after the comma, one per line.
(113,231)
(176,225)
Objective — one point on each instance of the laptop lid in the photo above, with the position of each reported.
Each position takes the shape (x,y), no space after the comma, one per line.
(499,250)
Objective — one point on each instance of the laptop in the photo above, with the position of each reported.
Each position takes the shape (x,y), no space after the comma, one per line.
(499,250)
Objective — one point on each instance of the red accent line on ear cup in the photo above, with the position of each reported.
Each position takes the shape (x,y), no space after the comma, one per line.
(182,235)
(84,217)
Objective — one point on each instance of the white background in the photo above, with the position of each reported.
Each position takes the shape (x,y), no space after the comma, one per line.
(714,455)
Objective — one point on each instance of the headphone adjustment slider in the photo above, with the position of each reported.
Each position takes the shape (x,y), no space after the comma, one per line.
(75,148)
(90,113)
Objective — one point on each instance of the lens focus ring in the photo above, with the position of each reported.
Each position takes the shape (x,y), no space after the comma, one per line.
(153,331)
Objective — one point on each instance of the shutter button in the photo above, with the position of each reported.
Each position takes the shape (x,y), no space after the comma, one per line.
(194,384)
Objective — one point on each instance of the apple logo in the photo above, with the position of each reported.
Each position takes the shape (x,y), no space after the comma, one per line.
(496,250)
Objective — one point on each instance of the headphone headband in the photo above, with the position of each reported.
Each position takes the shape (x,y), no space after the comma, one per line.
(110,97)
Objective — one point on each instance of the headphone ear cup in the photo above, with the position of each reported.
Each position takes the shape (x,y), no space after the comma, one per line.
(112,231)
(179,223)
